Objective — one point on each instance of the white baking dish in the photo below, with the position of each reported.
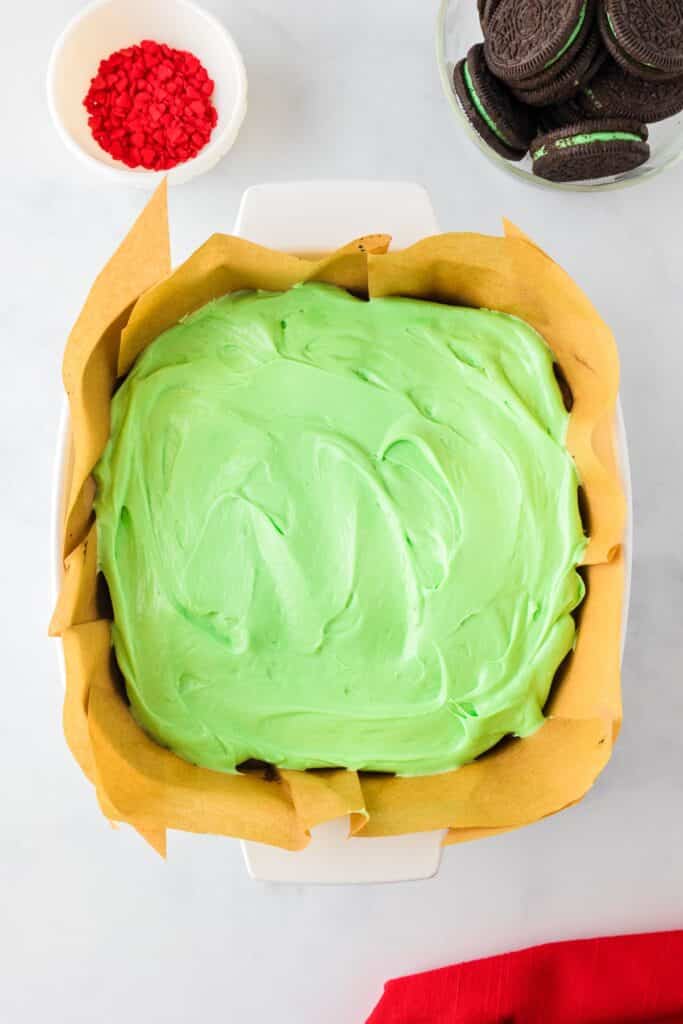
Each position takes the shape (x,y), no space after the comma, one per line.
(313,217)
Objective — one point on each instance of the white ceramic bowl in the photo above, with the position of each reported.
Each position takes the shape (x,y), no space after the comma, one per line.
(108,25)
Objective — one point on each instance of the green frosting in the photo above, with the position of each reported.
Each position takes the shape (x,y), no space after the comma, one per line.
(339,532)
(480,106)
(586,138)
(572,37)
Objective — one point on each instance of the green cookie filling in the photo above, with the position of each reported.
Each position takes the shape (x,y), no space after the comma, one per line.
(587,138)
(575,32)
(481,108)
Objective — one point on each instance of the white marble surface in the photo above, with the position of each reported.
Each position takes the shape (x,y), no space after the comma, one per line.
(94,927)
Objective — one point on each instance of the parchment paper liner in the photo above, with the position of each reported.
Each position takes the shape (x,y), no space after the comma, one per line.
(132,301)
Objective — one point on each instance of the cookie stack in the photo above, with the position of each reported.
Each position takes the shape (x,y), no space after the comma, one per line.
(575,82)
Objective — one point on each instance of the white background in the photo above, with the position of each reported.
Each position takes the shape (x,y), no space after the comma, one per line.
(93,926)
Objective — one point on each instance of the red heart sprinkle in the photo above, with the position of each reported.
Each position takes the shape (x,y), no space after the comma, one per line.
(149,105)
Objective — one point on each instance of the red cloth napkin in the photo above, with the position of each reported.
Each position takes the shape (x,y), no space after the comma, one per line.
(629,979)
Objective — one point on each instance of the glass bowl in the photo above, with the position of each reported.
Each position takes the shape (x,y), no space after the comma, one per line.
(457,30)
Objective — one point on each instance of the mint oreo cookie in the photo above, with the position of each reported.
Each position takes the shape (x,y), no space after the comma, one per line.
(649,32)
(526,37)
(486,9)
(640,41)
(614,93)
(501,121)
(549,87)
(590,149)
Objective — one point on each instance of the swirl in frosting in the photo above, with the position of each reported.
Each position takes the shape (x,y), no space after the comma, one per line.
(340,532)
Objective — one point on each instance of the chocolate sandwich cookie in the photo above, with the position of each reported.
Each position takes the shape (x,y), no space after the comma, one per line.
(501,121)
(649,32)
(645,37)
(486,9)
(548,87)
(525,38)
(614,93)
(590,149)
(561,114)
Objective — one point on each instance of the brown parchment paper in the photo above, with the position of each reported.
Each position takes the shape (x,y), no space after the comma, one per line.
(138,782)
